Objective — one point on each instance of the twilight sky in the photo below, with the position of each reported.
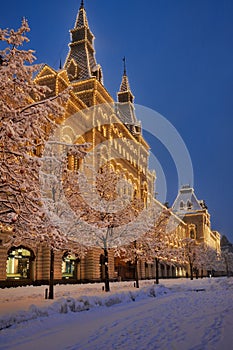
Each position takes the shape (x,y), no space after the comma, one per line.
(179,62)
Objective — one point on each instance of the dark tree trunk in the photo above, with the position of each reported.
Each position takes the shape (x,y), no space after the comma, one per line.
(227,268)
(157,270)
(51,275)
(107,285)
(191,271)
(136,272)
(136,267)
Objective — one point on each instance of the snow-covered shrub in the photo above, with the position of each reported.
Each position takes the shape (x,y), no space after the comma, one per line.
(113,300)
(151,292)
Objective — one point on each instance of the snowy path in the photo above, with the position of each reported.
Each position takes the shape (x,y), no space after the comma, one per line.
(182,319)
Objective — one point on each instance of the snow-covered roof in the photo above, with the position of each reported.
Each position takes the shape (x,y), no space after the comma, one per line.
(126,113)
(186,201)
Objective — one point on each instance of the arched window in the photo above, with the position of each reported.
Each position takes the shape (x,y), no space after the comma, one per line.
(192,234)
(19,263)
(181,205)
(189,205)
(192,231)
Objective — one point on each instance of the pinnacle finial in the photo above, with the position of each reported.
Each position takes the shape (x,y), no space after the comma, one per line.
(82,4)
(124,60)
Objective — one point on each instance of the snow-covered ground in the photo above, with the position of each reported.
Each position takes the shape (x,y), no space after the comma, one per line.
(177,314)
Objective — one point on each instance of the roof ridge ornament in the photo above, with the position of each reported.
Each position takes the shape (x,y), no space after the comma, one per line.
(124,60)
(82,4)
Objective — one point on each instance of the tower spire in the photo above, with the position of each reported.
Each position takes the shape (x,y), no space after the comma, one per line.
(80,62)
(81,19)
(126,110)
(125,86)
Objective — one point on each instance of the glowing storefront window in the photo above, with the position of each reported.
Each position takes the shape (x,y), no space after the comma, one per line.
(68,266)
(19,263)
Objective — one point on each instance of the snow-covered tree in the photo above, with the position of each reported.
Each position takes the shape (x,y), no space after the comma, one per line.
(153,244)
(226,261)
(199,256)
(208,258)
(161,240)
(190,252)
(104,208)
(226,256)
(27,118)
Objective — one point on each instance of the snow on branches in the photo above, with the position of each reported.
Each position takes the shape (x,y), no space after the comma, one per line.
(99,202)
(26,118)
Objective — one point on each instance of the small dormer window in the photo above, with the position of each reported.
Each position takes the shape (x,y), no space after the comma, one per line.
(181,205)
(189,205)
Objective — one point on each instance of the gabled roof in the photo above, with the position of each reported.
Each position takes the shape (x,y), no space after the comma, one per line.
(186,201)
(46,71)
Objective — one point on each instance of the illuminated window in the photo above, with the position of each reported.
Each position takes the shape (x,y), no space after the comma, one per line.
(19,263)
(68,266)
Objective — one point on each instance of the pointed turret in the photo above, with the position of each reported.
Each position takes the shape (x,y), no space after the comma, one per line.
(126,111)
(80,62)
(81,19)
(125,94)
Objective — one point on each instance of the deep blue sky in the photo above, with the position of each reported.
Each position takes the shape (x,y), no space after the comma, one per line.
(179,62)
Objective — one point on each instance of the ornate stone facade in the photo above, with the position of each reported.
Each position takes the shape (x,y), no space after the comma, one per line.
(120,129)
(195,214)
